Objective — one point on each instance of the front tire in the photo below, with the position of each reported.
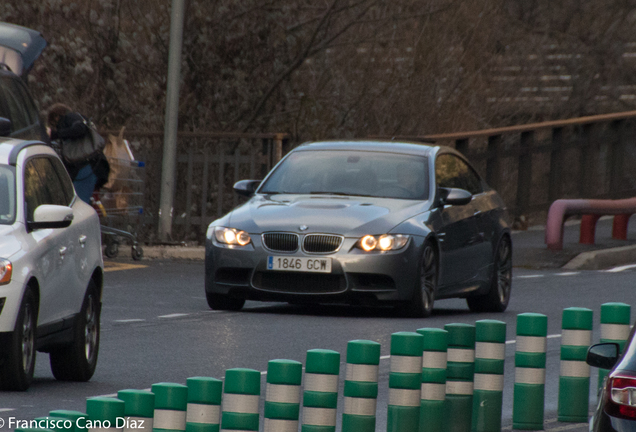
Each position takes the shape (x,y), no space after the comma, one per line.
(223,302)
(77,361)
(16,372)
(422,304)
(498,297)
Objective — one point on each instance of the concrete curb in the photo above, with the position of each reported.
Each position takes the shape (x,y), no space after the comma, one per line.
(174,252)
(603,258)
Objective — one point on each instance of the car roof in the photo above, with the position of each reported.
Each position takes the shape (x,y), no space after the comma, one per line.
(403,147)
(19,47)
(11,147)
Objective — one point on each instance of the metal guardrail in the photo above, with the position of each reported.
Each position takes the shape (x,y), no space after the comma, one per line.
(534,164)
(208,164)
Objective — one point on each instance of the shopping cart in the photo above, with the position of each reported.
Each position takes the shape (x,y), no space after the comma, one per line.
(120,206)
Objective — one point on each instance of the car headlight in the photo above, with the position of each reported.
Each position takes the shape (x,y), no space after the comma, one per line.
(231,236)
(385,242)
(6,269)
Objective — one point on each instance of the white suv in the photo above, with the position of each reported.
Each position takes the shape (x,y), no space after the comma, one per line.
(51,267)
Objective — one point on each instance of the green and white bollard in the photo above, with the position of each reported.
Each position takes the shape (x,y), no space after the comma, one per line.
(320,397)
(203,413)
(405,381)
(615,321)
(171,402)
(574,379)
(282,396)
(104,414)
(361,386)
(139,409)
(433,388)
(490,356)
(240,400)
(72,416)
(460,370)
(530,356)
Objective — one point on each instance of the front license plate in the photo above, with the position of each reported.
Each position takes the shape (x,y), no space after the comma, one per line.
(317,265)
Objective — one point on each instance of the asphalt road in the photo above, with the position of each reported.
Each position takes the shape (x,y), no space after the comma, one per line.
(157,327)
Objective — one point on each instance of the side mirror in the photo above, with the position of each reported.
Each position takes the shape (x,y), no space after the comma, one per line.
(454,196)
(51,216)
(603,355)
(246,187)
(5,126)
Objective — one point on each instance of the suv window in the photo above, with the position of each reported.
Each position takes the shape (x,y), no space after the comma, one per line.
(452,172)
(42,185)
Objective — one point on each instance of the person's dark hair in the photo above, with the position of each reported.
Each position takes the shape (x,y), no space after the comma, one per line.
(55,112)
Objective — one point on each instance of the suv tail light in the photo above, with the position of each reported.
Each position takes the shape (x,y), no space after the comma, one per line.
(621,399)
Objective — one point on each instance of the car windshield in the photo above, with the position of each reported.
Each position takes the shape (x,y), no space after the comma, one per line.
(356,173)
(7,196)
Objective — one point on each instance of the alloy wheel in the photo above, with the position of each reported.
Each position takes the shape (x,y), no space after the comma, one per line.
(504,271)
(90,329)
(428,277)
(28,338)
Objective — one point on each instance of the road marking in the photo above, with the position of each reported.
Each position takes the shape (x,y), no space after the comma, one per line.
(620,269)
(567,274)
(110,266)
(6,409)
(174,315)
(529,276)
(130,320)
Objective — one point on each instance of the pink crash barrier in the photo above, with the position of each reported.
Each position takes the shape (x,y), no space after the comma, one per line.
(591,210)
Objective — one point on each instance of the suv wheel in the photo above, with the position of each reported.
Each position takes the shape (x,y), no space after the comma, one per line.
(77,361)
(16,372)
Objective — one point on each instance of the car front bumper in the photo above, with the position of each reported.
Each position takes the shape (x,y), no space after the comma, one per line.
(356,277)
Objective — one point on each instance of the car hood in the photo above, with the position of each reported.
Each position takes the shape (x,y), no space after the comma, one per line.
(20,47)
(349,216)
(9,243)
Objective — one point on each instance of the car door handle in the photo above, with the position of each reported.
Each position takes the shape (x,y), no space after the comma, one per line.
(62,251)
(82,241)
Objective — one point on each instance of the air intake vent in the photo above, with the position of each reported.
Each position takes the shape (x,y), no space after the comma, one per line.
(321,243)
(281,242)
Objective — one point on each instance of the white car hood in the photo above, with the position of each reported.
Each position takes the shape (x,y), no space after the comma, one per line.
(9,243)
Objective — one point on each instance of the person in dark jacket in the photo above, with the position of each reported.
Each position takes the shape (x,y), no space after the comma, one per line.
(89,174)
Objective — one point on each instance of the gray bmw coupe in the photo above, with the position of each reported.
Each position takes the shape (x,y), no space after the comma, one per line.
(363,222)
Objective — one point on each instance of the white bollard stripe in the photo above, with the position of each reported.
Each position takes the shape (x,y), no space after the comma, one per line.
(460,355)
(245,404)
(531,344)
(138,424)
(490,350)
(618,332)
(282,393)
(406,364)
(576,369)
(321,383)
(360,372)
(201,413)
(490,382)
(319,416)
(529,375)
(459,387)
(433,391)
(434,359)
(360,406)
(277,425)
(576,337)
(169,419)
(404,397)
